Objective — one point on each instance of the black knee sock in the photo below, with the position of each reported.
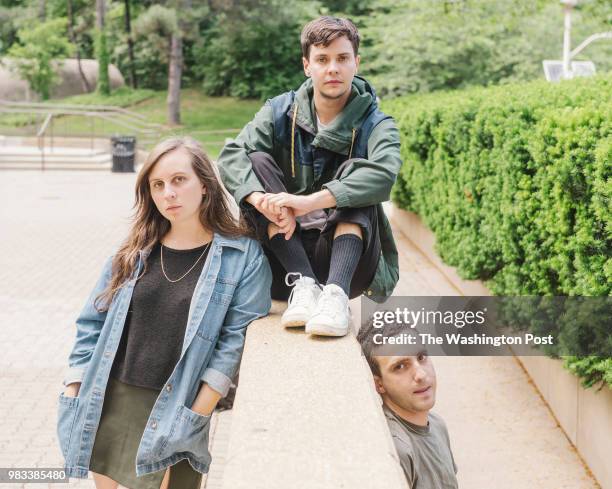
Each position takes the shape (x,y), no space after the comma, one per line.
(346,253)
(291,254)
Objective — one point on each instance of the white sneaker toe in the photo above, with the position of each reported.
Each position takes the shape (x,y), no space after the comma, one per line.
(302,302)
(332,314)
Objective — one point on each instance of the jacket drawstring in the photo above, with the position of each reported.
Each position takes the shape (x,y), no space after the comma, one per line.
(352,142)
(293,141)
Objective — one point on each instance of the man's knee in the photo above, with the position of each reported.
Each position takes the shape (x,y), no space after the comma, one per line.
(348,228)
(260,159)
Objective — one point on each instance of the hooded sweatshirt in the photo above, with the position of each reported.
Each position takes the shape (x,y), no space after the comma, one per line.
(366,182)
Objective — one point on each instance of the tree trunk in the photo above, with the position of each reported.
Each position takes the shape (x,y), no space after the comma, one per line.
(73,39)
(130,43)
(100,14)
(42,10)
(101,50)
(174,78)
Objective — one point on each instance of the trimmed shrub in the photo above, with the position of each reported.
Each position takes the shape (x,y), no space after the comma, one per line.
(515,183)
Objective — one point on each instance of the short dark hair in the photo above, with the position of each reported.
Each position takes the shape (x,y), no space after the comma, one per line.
(326,29)
(365,337)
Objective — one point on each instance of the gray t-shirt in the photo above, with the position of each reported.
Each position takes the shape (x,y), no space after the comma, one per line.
(315,219)
(424,452)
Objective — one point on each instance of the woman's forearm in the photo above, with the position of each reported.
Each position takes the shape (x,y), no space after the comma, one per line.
(206,400)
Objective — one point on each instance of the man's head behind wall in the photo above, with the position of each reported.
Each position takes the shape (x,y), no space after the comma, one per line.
(330,47)
(406,383)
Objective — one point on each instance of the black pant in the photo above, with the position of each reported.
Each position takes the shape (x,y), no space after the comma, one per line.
(318,244)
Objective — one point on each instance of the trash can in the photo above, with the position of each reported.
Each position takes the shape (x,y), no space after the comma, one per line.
(123,149)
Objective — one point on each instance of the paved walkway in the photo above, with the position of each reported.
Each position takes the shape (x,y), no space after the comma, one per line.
(56,231)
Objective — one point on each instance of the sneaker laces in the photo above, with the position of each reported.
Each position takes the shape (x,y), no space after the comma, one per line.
(301,295)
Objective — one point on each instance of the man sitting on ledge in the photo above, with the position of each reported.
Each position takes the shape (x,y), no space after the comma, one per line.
(309,173)
(407,386)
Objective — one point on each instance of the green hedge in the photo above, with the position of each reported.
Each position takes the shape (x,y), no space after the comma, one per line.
(515,182)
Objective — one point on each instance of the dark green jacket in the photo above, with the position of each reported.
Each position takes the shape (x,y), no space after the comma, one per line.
(365,182)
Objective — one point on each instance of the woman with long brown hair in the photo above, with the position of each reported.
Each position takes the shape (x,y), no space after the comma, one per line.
(161,335)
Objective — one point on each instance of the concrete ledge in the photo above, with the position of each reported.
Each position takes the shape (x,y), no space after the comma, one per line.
(306,415)
(585,415)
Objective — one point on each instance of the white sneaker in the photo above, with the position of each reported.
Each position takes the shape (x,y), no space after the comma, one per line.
(332,313)
(302,301)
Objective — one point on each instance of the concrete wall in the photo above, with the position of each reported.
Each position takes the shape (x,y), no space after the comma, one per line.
(585,415)
(69,80)
(306,415)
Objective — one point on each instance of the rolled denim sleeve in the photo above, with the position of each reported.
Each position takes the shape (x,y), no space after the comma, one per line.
(251,300)
(88,327)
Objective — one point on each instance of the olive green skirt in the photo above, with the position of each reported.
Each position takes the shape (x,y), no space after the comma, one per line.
(124,417)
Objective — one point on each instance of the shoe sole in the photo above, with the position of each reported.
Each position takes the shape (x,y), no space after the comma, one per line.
(321,330)
(293,321)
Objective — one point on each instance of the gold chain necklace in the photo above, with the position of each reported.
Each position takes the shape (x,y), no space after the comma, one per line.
(187,272)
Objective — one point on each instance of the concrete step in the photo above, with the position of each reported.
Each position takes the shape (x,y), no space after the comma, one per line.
(63,151)
(56,166)
(58,158)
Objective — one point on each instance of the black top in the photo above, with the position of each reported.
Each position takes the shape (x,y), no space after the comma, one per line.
(155,326)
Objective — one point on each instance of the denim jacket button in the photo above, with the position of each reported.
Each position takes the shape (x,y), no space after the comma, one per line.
(153,424)
(169,387)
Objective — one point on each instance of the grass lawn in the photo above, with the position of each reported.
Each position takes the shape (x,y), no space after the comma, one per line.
(199,113)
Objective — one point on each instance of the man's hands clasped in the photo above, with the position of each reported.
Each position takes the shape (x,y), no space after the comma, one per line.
(281,209)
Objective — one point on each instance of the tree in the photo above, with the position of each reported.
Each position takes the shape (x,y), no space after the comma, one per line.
(102,50)
(159,27)
(253,48)
(174,78)
(165,28)
(130,43)
(415,46)
(38,47)
(73,39)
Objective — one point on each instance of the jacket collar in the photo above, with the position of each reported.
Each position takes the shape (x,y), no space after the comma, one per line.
(337,137)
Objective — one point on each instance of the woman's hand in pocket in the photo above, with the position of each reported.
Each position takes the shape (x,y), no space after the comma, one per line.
(72,390)
(205,401)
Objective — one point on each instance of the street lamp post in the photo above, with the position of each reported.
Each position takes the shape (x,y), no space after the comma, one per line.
(567,37)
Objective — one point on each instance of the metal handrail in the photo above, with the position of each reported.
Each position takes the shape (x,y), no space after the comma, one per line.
(109,115)
(37,107)
(131,121)
(148,130)
(41,139)
(44,126)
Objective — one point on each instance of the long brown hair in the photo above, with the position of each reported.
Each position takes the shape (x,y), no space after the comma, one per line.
(149,226)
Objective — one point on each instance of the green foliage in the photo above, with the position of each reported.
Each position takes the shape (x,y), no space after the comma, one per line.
(152,31)
(415,46)
(516,184)
(253,51)
(121,97)
(103,58)
(38,47)
(9,16)
(592,370)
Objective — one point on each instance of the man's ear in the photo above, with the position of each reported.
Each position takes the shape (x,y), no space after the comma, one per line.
(379,385)
(357,60)
(306,65)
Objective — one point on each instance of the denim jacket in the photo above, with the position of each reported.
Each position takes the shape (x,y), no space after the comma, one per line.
(232,290)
